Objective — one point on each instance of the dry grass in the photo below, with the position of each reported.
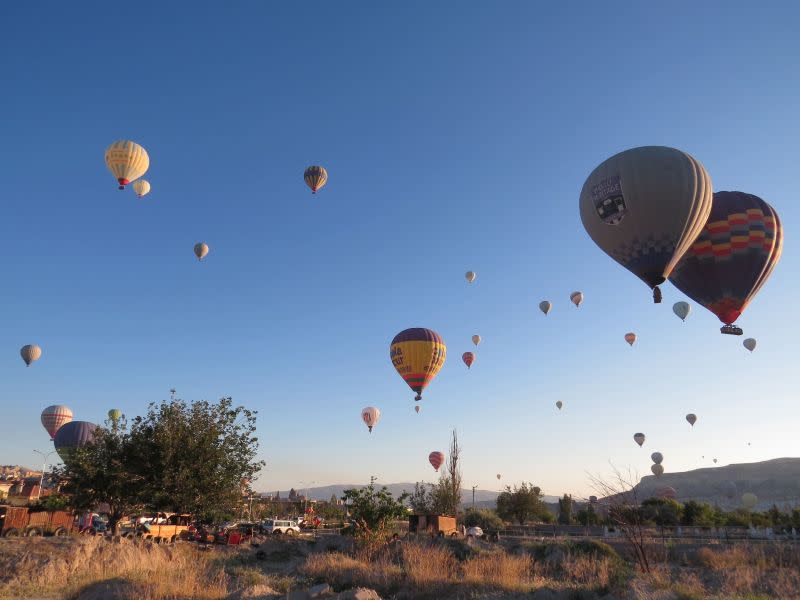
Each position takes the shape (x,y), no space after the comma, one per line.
(499,570)
(342,571)
(427,564)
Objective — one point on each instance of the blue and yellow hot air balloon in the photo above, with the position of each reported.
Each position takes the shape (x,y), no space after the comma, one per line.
(418,354)
(733,256)
(316,177)
(644,207)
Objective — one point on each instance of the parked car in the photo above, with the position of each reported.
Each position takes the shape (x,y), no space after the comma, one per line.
(278,527)
(475,532)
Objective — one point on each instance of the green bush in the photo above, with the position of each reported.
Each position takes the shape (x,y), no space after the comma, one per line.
(486,519)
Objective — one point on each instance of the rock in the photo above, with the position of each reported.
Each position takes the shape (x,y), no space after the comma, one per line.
(320,591)
(256,592)
(359,594)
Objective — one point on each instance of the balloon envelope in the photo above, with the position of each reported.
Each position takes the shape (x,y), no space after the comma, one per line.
(418,354)
(545,306)
(682,309)
(638,438)
(30,353)
(127,161)
(468,358)
(316,177)
(692,418)
(72,435)
(559,404)
(657,457)
(499,475)
(630,337)
(436,459)
(200,250)
(576,298)
(470,276)
(750,344)
(666,493)
(53,417)
(749,500)
(141,187)
(476,339)
(657,470)
(114,415)
(417,408)
(644,207)
(370,415)
(734,254)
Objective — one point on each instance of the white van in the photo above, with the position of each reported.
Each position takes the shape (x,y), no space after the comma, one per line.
(276,527)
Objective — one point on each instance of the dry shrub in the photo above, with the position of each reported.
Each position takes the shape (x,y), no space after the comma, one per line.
(341,571)
(426,564)
(728,558)
(587,570)
(500,570)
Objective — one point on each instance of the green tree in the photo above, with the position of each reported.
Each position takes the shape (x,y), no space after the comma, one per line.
(521,504)
(587,516)
(661,511)
(698,514)
(484,518)
(421,499)
(373,510)
(565,510)
(108,470)
(195,457)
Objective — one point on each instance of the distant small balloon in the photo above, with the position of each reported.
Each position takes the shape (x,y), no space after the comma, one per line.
(657,470)
(470,276)
(468,358)
(682,309)
(114,415)
(499,475)
(316,177)
(630,338)
(749,500)
(692,418)
(657,457)
(559,404)
(576,298)
(545,306)
(476,339)
(30,353)
(638,438)
(750,344)
(417,408)
(370,415)
(200,250)
(141,187)
(715,461)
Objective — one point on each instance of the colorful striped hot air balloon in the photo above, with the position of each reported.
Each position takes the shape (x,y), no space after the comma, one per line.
(53,417)
(468,358)
(316,177)
(127,161)
(72,435)
(732,257)
(644,207)
(418,354)
(436,459)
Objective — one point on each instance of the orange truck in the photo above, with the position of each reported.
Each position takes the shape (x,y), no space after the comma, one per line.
(439,525)
(18,521)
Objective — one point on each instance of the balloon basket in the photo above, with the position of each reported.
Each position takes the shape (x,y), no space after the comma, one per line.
(731,330)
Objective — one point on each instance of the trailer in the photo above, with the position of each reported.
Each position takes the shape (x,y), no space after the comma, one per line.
(440,525)
(18,521)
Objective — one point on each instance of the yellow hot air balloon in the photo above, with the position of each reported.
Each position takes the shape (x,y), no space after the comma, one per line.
(418,354)
(749,500)
(127,161)
(30,353)
(316,177)
(141,187)
(200,250)
(476,339)
(645,207)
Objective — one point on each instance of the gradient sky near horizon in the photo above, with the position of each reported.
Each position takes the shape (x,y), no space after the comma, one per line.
(457,136)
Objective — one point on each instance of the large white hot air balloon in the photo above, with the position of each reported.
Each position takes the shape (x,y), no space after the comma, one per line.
(30,353)
(370,415)
(127,161)
(141,187)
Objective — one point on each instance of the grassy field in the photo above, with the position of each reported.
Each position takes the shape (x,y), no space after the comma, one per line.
(95,569)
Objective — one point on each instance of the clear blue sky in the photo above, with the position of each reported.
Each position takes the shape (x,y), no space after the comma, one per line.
(457,136)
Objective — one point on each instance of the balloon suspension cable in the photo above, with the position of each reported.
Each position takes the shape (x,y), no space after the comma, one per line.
(657,295)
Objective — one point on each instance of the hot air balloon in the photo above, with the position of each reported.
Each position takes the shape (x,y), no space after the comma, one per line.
(470,276)
(644,207)
(114,415)
(72,435)
(692,418)
(657,457)
(370,415)
(200,250)
(545,306)
(436,459)
(638,438)
(476,339)
(666,493)
(418,354)
(316,177)
(141,187)
(576,298)
(53,417)
(750,344)
(749,500)
(417,407)
(630,337)
(499,476)
(127,161)
(682,309)
(657,470)
(559,404)
(732,257)
(729,489)
(30,353)
(468,358)
(715,461)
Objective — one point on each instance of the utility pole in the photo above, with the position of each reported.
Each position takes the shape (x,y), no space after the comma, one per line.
(44,468)
(473,495)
